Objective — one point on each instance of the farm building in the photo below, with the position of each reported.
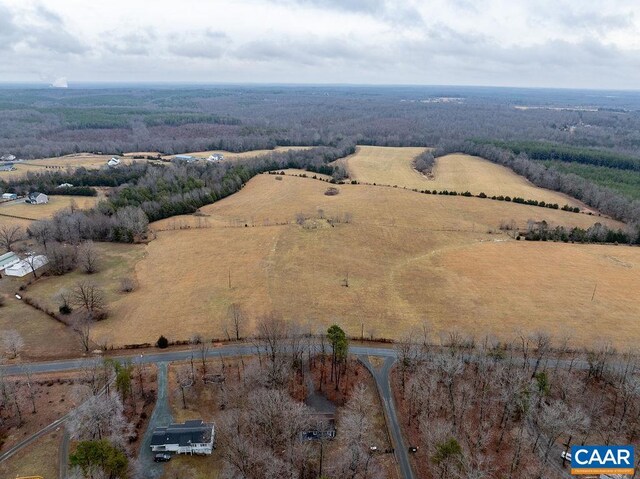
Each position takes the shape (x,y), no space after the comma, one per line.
(26,266)
(7,167)
(9,196)
(37,198)
(65,185)
(185,158)
(7,157)
(216,157)
(7,260)
(190,437)
(113,162)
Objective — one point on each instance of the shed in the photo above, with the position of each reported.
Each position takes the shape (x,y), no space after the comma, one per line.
(9,196)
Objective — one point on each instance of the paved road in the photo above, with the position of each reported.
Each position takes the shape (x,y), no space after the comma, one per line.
(168,356)
(161,416)
(63,454)
(383,382)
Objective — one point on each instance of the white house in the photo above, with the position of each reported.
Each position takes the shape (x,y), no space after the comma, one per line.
(190,437)
(26,266)
(113,162)
(65,185)
(9,196)
(216,157)
(37,198)
(7,157)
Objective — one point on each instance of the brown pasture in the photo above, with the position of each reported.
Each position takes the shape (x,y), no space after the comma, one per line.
(409,257)
(457,172)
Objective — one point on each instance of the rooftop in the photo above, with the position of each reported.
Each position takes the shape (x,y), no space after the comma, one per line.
(189,432)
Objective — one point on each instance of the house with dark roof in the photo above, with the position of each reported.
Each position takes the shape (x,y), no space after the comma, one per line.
(190,437)
(37,198)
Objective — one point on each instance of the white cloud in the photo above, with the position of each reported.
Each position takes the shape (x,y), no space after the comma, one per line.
(488,42)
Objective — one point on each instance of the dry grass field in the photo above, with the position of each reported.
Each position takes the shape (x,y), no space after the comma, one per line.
(408,256)
(458,172)
(38,212)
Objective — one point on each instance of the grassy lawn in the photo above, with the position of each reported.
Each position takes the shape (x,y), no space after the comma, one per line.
(38,459)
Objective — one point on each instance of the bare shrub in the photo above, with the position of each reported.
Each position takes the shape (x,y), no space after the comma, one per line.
(332,191)
(128,284)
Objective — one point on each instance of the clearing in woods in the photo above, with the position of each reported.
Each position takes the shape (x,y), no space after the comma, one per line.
(457,172)
(409,257)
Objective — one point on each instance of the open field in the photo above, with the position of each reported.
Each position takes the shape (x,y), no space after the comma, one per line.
(38,212)
(390,252)
(457,172)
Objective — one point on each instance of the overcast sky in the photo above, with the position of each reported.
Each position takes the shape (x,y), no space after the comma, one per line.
(551,43)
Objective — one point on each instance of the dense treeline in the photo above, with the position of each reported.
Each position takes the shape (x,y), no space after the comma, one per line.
(603,199)
(155,192)
(626,182)
(537,150)
(81,179)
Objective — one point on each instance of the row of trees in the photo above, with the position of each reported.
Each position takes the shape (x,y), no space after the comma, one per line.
(598,233)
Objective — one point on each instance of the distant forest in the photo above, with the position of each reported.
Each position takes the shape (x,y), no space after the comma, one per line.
(583,143)
(51,122)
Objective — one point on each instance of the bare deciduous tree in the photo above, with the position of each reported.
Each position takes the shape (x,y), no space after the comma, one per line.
(12,343)
(9,235)
(184,378)
(82,327)
(237,318)
(100,417)
(88,257)
(90,297)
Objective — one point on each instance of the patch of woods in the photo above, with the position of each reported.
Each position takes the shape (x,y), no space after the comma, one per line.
(424,163)
(263,426)
(510,409)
